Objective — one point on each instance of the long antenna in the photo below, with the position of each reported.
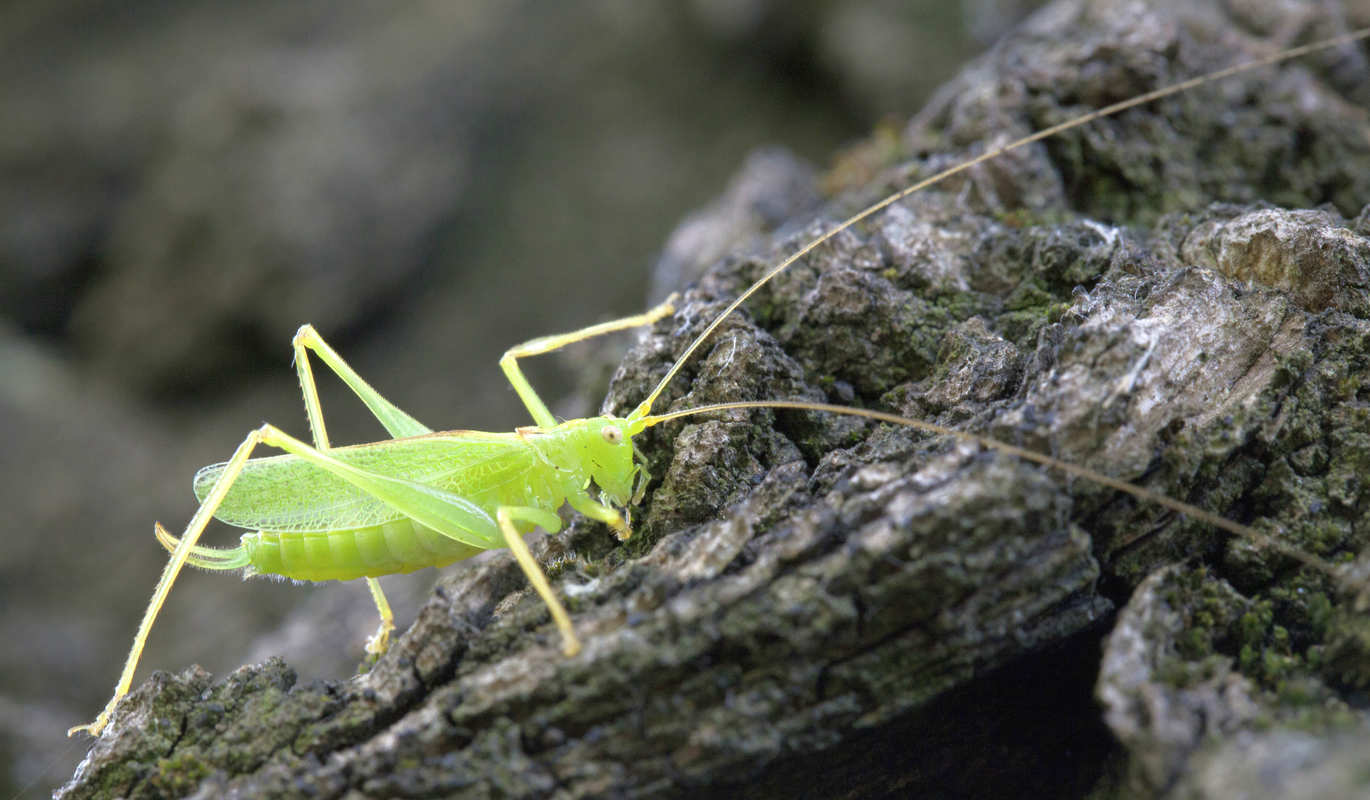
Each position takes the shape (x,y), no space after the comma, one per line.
(1140,492)
(1347,38)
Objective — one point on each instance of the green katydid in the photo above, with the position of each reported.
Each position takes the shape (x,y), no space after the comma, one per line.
(429,498)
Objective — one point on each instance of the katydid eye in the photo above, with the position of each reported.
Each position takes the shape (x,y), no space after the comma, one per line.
(611,434)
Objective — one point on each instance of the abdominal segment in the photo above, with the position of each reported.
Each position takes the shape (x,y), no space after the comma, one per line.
(399,546)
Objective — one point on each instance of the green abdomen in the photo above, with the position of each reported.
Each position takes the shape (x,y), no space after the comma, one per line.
(399,546)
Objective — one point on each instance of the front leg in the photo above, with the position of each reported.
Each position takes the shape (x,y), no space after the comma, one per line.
(546,344)
(581,502)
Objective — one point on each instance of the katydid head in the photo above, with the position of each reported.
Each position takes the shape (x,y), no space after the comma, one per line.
(606,453)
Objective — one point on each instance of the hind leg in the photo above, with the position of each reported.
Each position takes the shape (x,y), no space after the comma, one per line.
(194,528)
(396,422)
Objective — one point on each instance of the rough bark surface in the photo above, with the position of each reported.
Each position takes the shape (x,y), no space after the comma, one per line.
(817,605)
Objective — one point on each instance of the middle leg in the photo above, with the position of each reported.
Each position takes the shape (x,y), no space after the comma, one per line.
(551,523)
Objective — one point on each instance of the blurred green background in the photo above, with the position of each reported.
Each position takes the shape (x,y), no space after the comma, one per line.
(185,183)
